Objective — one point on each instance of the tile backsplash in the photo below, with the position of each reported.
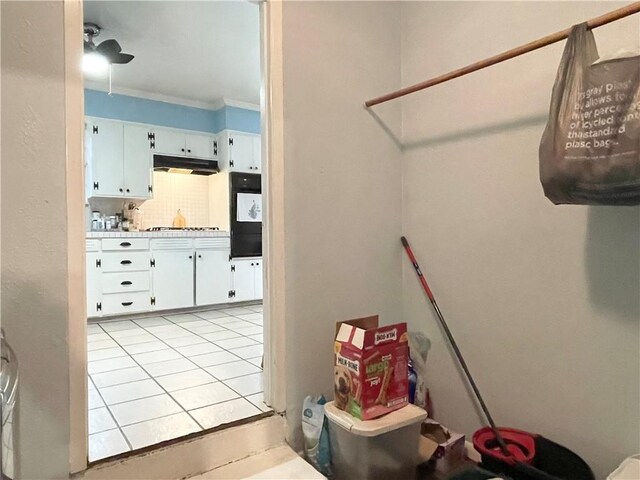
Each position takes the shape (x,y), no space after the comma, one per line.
(173,191)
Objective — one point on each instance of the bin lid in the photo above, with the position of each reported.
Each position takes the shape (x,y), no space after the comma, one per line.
(402,417)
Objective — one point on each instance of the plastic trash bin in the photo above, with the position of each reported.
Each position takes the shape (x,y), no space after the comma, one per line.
(384,448)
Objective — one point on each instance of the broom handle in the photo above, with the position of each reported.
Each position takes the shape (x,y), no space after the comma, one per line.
(454,345)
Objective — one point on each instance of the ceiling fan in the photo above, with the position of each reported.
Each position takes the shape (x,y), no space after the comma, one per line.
(110,49)
(99,57)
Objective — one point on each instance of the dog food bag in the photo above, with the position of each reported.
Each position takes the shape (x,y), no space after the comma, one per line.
(370,367)
(316,434)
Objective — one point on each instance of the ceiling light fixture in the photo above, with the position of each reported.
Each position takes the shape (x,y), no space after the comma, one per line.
(94,63)
(99,58)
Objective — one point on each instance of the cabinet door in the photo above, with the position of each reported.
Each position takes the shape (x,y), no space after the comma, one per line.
(257,154)
(137,162)
(94,284)
(258,279)
(169,142)
(243,280)
(213,277)
(200,146)
(105,166)
(241,152)
(172,278)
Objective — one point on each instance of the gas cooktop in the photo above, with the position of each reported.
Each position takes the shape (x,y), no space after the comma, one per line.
(187,229)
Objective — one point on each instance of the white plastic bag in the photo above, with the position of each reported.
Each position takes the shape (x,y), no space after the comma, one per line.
(316,434)
(419,346)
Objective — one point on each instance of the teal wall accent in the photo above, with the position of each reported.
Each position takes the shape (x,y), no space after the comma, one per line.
(242,119)
(154,112)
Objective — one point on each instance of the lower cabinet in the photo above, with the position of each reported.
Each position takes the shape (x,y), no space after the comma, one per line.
(246,275)
(172,279)
(94,284)
(213,277)
(131,276)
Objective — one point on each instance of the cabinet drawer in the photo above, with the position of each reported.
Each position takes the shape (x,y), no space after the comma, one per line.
(125,282)
(92,245)
(125,262)
(125,244)
(214,242)
(117,303)
(171,243)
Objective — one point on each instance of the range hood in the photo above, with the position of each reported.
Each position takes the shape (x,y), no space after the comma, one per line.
(193,166)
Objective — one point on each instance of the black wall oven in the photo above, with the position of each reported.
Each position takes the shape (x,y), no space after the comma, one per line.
(246,214)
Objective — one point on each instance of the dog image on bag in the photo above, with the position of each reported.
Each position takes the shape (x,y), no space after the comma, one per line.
(342,386)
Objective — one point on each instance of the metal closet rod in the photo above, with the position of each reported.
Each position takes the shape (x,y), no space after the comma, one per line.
(509,54)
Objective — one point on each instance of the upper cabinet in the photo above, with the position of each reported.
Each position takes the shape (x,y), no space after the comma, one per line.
(119,155)
(138,162)
(181,144)
(118,159)
(239,152)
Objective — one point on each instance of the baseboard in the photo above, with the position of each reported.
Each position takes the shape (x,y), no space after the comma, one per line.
(194,456)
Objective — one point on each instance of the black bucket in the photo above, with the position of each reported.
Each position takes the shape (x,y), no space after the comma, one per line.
(551,458)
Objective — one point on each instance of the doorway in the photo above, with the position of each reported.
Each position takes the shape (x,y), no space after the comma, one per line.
(175,332)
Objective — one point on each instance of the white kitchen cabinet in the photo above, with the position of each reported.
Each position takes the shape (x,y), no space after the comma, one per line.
(118,159)
(138,162)
(258,279)
(169,142)
(132,275)
(181,144)
(104,166)
(94,284)
(213,277)
(246,275)
(200,146)
(172,278)
(239,152)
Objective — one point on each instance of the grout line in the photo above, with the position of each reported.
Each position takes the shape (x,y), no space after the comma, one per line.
(114,421)
(122,383)
(198,367)
(161,387)
(169,394)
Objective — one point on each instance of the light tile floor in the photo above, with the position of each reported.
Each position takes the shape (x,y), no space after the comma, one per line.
(158,378)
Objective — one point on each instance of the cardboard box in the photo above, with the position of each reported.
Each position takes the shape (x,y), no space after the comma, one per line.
(370,373)
(439,446)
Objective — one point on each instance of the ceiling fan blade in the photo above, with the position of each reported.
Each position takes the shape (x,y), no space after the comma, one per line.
(121,58)
(109,47)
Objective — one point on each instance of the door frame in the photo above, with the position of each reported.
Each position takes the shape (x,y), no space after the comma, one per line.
(272,123)
(273,195)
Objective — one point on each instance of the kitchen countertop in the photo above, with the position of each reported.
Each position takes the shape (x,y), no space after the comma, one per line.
(160,234)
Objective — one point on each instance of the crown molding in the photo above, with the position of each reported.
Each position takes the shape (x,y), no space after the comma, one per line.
(215,105)
(239,104)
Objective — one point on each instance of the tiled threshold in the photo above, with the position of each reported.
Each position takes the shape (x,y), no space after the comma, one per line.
(191,456)
(156,379)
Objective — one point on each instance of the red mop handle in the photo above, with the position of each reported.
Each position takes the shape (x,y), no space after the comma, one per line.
(456,350)
(412,257)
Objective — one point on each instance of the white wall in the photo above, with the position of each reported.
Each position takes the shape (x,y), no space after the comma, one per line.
(42,233)
(341,182)
(543,299)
